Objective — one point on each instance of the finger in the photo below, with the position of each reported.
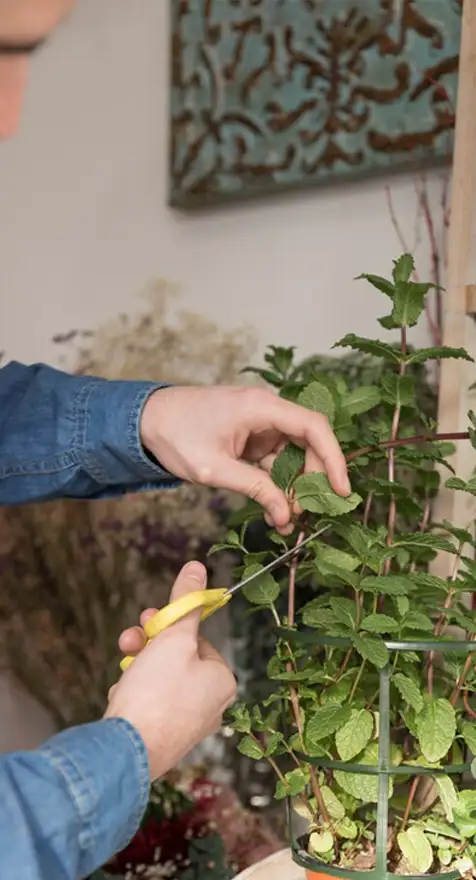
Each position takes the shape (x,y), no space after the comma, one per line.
(132,640)
(310,429)
(146,615)
(192,577)
(257,485)
(206,651)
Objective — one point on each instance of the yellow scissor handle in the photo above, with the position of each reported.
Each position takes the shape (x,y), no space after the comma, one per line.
(209,600)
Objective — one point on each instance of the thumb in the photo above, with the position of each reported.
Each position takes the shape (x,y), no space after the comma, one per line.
(192,577)
(258,485)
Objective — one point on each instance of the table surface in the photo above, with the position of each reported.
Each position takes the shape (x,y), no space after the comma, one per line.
(279,866)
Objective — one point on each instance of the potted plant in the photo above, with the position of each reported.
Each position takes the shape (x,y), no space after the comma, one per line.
(369,727)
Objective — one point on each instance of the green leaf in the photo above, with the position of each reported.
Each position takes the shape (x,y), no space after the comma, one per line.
(272,743)
(241,718)
(345,611)
(464,814)
(403,268)
(355,734)
(409,691)
(372,648)
(398,390)
(448,794)
(436,353)
(468,732)
(296,782)
(314,493)
(269,377)
(313,614)
(346,828)
(408,303)
(370,346)
(361,400)
(321,842)
(262,591)
(380,623)
(416,849)
(388,584)
(287,466)
(436,725)
(363,786)
(429,581)
(417,620)
(402,604)
(318,398)
(335,809)
(251,748)
(329,558)
(325,721)
(425,541)
(383,284)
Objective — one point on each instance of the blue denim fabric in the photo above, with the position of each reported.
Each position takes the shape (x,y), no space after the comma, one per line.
(70,805)
(67,436)
(67,807)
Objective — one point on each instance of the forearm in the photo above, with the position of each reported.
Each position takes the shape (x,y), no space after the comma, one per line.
(72,436)
(69,806)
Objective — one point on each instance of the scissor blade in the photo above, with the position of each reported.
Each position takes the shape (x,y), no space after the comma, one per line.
(276,563)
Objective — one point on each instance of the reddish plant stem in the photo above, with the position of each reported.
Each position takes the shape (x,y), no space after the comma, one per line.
(461,680)
(407,441)
(294,695)
(468,708)
(441,619)
(392,510)
(424,524)
(411,797)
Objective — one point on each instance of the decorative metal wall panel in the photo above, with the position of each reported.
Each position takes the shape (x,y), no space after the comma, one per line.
(273,94)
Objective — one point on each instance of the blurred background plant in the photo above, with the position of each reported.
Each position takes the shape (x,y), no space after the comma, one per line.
(75,573)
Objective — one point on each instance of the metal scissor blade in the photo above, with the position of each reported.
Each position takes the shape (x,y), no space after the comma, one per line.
(276,563)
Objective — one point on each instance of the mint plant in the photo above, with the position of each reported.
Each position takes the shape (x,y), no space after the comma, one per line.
(377,608)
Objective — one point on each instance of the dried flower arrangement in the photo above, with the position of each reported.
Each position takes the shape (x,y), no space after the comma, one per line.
(370,727)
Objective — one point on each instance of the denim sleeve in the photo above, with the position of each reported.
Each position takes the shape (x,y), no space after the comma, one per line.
(65,436)
(69,806)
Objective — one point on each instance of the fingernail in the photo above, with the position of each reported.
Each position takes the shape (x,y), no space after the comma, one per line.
(195,571)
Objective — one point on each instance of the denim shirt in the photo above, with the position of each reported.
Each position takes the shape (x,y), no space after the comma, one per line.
(68,806)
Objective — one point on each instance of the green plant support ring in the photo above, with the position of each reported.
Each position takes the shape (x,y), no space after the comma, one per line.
(384,769)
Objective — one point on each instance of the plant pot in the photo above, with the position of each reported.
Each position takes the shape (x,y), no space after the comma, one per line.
(316,875)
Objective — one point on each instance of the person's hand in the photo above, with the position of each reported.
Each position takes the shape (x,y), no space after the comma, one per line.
(216,436)
(178,687)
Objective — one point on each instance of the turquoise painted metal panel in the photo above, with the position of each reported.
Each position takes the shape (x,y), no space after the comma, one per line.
(275,94)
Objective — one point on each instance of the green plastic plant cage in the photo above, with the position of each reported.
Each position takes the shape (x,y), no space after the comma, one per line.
(384,769)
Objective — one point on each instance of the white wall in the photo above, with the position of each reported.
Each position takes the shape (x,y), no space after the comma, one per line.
(84,223)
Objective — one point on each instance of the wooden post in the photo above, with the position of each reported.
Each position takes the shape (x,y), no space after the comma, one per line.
(455,399)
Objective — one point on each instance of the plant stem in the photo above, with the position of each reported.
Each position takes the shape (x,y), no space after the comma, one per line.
(357,680)
(411,796)
(468,708)
(439,625)
(462,678)
(407,441)
(293,690)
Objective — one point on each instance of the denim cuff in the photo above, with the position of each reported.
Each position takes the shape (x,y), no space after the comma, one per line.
(107,418)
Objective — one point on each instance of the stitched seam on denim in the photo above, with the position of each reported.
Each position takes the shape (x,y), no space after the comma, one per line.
(144,771)
(56,464)
(63,763)
(83,422)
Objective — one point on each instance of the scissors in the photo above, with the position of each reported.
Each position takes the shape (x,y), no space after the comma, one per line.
(210,600)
